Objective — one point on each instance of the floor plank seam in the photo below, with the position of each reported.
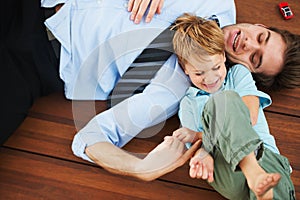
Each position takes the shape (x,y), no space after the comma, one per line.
(51,118)
(281,113)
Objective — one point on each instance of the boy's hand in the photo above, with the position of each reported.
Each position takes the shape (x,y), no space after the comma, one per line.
(139,7)
(202,166)
(186,135)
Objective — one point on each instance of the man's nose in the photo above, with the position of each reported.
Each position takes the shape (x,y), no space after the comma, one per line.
(250,45)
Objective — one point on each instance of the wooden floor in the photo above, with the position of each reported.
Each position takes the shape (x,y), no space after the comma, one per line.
(37,163)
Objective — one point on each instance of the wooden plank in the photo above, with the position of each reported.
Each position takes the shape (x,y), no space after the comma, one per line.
(285,129)
(56,107)
(54,139)
(286,102)
(267,12)
(28,176)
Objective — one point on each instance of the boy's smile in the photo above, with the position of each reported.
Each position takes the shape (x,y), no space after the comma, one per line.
(207,75)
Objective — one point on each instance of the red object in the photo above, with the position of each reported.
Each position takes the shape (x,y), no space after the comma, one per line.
(285,10)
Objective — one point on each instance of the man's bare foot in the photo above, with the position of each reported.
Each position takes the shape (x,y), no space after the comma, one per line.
(263,185)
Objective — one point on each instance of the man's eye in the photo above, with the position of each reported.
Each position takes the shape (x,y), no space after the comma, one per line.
(260,38)
(252,58)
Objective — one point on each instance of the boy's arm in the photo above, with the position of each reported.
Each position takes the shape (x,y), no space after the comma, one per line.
(246,88)
(252,102)
(202,166)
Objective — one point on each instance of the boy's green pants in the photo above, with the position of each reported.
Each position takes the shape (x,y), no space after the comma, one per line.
(229,137)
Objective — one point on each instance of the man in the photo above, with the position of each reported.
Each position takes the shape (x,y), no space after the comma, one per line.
(102,29)
(120,124)
(93,58)
(28,63)
(270,53)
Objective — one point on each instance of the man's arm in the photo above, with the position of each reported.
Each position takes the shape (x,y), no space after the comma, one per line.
(166,157)
(112,158)
(125,120)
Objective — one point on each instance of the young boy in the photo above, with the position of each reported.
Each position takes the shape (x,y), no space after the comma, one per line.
(247,162)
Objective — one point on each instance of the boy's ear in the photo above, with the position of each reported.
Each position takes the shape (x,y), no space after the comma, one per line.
(186,72)
(224,56)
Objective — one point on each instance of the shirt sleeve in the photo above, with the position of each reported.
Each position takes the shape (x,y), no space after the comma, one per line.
(124,121)
(186,114)
(245,85)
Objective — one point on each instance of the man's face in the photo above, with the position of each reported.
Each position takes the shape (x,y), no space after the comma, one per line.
(256,47)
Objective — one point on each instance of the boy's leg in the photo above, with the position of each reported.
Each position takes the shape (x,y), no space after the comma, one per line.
(227,127)
(230,137)
(272,162)
(259,181)
(231,185)
(226,114)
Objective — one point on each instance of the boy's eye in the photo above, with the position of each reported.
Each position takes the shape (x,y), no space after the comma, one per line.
(217,68)
(199,73)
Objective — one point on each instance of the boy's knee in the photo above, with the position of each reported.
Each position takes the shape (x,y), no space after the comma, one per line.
(225,98)
(227,94)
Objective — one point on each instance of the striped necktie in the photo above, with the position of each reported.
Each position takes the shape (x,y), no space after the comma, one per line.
(144,67)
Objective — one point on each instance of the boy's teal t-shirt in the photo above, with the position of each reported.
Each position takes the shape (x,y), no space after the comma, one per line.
(240,80)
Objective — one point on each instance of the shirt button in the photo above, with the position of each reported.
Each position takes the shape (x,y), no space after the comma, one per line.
(125,5)
(99,1)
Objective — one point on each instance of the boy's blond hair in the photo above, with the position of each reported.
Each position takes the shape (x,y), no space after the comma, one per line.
(196,37)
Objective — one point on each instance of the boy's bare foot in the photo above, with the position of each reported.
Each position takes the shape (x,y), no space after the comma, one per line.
(165,153)
(263,185)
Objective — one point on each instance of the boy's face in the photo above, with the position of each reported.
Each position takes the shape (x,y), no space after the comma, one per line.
(207,75)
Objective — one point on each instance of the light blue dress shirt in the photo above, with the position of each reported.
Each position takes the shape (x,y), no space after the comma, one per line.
(240,80)
(98,44)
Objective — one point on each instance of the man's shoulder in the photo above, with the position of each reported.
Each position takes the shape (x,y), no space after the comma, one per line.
(239,68)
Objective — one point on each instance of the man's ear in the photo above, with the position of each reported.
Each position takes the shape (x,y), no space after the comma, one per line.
(262,25)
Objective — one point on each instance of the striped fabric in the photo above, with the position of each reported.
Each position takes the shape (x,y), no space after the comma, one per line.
(143,69)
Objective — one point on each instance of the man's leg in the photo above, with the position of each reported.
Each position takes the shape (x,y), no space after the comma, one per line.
(29,67)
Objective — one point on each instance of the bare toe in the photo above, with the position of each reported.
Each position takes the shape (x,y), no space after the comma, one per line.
(265,183)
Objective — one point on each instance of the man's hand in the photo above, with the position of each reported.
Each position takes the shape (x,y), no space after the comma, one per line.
(139,7)
(202,166)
